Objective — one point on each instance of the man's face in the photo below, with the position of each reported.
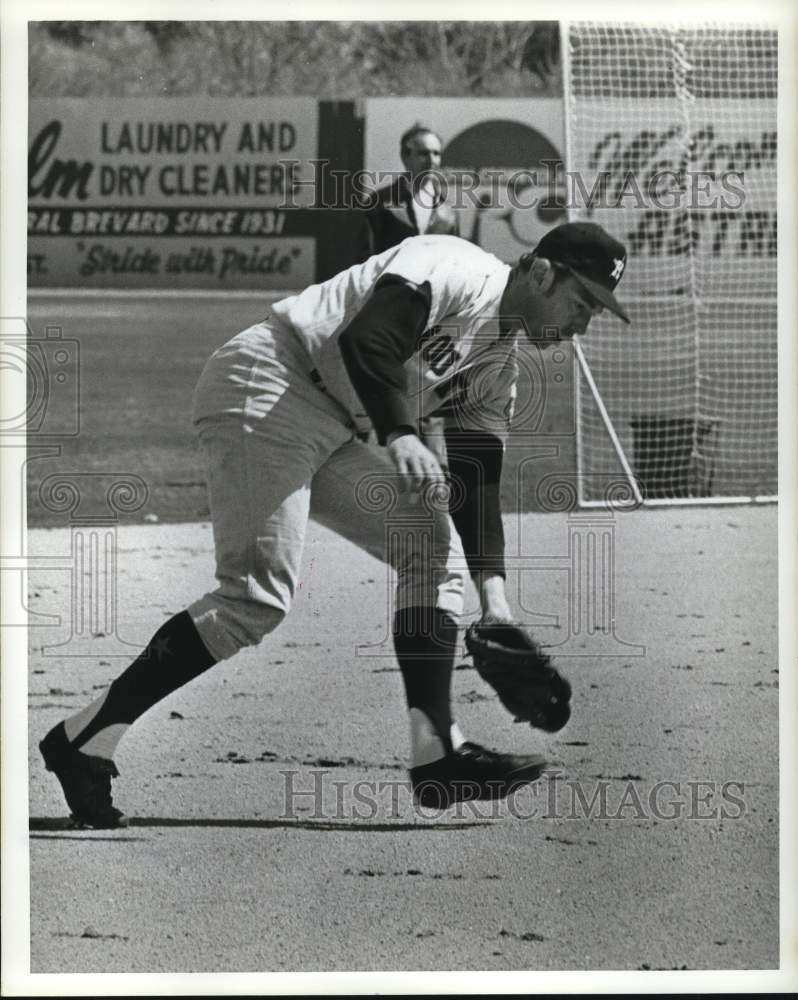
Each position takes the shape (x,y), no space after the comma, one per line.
(562,312)
(422,153)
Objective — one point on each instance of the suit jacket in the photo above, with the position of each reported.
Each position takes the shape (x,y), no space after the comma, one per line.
(393,219)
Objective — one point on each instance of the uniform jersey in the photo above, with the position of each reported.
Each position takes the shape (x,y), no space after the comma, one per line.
(463,368)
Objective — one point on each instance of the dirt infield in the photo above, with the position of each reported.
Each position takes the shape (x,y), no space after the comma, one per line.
(272,827)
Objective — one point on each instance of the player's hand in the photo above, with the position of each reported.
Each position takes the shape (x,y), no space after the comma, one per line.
(415,463)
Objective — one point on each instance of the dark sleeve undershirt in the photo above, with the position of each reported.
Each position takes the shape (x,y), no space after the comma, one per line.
(376,344)
(475,468)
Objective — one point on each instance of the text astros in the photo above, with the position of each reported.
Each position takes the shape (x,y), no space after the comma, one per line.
(201,179)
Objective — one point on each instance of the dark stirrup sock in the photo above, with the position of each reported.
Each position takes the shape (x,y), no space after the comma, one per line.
(175,655)
(425,640)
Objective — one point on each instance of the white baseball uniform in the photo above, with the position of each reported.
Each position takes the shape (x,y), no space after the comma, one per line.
(277,417)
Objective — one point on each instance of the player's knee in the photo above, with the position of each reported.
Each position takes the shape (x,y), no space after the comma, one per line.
(228,623)
(251,613)
(425,542)
(256,619)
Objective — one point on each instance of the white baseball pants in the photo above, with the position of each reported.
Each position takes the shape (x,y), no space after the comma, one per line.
(278,448)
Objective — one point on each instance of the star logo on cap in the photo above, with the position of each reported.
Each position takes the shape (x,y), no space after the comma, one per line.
(617,271)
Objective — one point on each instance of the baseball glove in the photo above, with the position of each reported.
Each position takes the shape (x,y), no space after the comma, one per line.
(522,675)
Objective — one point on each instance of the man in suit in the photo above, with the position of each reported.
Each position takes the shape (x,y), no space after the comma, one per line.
(413,204)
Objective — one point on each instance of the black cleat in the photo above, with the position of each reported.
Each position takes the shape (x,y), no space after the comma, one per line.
(473,772)
(85,780)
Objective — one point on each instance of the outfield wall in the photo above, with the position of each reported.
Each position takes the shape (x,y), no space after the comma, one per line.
(253,193)
(257,193)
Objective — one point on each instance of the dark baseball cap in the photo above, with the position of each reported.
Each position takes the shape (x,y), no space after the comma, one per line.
(592,256)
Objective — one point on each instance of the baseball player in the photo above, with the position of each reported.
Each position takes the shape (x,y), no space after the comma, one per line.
(434,325)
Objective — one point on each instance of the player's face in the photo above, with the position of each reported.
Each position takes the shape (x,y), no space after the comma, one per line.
(562,312)
(422,153)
